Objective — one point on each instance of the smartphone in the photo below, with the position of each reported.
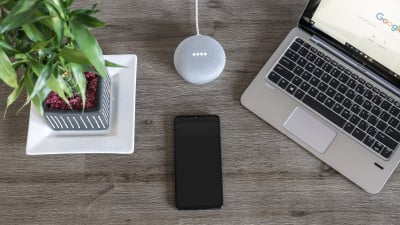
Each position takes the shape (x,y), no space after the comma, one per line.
(198,171)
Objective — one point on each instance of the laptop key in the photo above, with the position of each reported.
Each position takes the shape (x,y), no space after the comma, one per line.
(363,125)
(393,133)
(302,62)
(274,77)
(327,67)
(344,78)
(323,110)
(331,92)
(295,46)
(355,119)
(359,99)
(386,140)
(299,40)
(291,89)
(319,62)
(304,86)
(385,116)
(326,78)
(338,108)
(360,89)
(349,128)
(358,134)
(368,141)
(297,81)
(318,72)
(313,92)
(321,97)
(283,72)
(314,81)
(311,57)
(292,55)
(347,103)
(394,111)
(352,83)
(334,83)
(303,52)
(335,72)
(346,114)
(393,122)
(329,103)
(373,120)
(310,67)
(364,114)
(299,94)
(339,97)
(298,70)
(372,131)
(386,153)
(377,100)
(287,63)
(386,105)
(283,83)
(367,105)
(350,94)
(369,94)
(381,125)
(376,110)
(378,147)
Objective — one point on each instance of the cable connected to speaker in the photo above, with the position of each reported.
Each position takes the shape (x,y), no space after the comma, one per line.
(197,17)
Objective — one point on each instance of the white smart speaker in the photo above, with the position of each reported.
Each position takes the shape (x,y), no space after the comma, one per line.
(199,59)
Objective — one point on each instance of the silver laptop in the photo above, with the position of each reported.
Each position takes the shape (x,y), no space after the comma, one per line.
(333,87)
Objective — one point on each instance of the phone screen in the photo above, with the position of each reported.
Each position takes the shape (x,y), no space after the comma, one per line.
(198,173)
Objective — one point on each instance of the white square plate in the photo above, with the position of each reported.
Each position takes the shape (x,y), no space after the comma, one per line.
(119,138)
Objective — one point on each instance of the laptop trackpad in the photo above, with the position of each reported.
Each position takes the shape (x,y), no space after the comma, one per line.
(310,130)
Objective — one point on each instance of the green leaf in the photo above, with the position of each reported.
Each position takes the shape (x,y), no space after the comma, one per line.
(32,32)
(57,6)
(79,76)
(7,47)
(15,94)
(74,56)
(7,73)
(89,47)
(42,79)
(58,26)
(39,45)
(89,21)
(29,86)
(20,14)
(3,2)
(64,85)
(111,64)
(55,86)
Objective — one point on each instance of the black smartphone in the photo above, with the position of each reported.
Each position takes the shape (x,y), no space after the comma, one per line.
(198,171)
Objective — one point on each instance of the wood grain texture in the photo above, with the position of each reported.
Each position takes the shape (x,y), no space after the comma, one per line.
(268,179)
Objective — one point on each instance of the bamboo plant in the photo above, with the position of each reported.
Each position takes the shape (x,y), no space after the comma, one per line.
(45,46)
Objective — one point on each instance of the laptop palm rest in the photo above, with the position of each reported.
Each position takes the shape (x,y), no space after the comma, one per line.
(310,130)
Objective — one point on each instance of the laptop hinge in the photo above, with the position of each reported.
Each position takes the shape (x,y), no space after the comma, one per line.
(362,69)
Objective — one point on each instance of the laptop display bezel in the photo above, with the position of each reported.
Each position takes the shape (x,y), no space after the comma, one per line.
(307,24)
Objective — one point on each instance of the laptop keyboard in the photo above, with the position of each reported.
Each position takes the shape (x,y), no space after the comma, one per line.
(360,109)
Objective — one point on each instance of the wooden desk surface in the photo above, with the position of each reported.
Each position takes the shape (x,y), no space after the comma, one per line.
(268,179)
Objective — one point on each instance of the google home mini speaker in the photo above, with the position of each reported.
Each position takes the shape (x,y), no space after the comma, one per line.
(199,59)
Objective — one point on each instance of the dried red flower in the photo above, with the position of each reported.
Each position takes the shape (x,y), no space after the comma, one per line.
(53,101)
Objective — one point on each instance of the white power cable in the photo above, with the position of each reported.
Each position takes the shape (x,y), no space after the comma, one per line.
(197,17)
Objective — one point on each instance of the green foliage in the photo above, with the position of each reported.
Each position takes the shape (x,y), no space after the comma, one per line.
(41,42)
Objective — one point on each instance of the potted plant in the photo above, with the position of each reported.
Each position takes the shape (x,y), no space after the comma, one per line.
(48,51)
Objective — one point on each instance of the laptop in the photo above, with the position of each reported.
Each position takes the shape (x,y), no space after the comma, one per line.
(333,86)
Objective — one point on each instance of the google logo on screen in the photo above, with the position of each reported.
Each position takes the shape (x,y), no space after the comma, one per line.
(392,25)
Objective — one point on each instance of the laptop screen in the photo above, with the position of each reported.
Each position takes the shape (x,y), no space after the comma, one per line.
(369,30)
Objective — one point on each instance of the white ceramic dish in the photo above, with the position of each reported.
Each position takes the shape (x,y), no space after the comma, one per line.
(118,139)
